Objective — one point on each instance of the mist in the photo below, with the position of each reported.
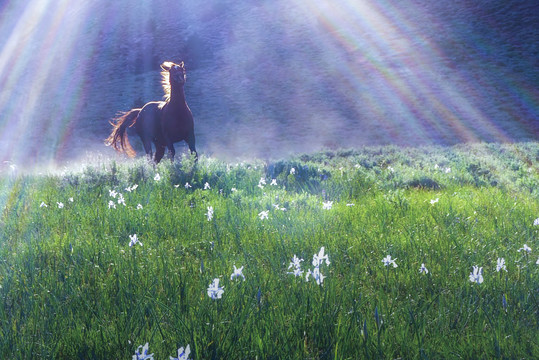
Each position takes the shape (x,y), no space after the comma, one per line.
(268,78)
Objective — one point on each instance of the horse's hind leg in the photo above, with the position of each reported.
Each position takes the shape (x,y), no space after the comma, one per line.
(147,143)
(159,152)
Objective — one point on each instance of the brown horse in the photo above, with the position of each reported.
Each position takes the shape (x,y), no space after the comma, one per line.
(161,122)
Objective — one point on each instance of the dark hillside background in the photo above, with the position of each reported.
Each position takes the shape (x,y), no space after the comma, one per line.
(268,78)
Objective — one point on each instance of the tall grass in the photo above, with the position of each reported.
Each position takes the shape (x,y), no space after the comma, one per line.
(72,287)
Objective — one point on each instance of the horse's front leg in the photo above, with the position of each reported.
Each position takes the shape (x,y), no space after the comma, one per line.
(191,144)
(171,151)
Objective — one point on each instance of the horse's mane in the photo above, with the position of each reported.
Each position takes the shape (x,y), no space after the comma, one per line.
(165,81)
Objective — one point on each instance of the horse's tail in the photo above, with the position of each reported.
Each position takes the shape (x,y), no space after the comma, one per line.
(119,133)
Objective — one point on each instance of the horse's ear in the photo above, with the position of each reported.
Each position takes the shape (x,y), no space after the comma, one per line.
(166,65)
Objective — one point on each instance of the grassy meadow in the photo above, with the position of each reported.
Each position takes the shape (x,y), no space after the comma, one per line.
(75,283)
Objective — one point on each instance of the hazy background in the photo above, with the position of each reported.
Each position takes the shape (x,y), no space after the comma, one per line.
(268,78)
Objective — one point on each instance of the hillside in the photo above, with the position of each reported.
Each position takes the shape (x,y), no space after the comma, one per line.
(269,78)
(419,252)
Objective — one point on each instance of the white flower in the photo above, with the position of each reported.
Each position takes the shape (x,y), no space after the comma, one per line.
(209,214)
(263,214)
(447,170)
(70,199)
(316,274)
(132,188)
(182,355)
(112,193)
(423,269)
(261,183)
(121,200)
(233,189)
(292,171)
(525,248)
(142,354)
(60,205)
(388,261)
(296,264)
(134,240)
(207,186)
(43,204)
(319,258)
(476,275)
(139,207)
(296,272)
(327,205)
(536,222)
(157,177)
(436,166)
(434,201)
(273,182)
(237,273)
(214,291)
(500,264)
(187,185)
(112,204)
(351,204)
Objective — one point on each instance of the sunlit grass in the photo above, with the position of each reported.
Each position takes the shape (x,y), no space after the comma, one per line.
(73,287)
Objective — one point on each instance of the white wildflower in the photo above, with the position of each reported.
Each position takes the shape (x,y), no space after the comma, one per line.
(237,273)
(209,214)
(157,177)
(134,240)
(525,248)
(423,269)
(142,353)
(476,275)
(214,290)
(316,274)
(263,215)
(319,258)
(500,264)
(327,205)
(182,354)
(388,261)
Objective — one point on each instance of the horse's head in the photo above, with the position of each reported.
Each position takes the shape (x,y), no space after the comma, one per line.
(176,72)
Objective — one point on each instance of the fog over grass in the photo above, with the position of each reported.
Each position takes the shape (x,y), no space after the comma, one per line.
(269,78)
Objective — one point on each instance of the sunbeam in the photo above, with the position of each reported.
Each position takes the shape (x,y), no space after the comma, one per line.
(265,79)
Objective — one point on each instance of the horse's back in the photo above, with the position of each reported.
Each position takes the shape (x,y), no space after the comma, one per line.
(148,122)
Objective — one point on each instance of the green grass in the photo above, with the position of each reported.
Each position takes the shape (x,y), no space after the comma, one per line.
(71,287)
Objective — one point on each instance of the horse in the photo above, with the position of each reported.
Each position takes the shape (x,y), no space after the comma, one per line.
(161,122)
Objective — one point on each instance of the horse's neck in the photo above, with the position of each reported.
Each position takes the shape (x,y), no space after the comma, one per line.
(177,97)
